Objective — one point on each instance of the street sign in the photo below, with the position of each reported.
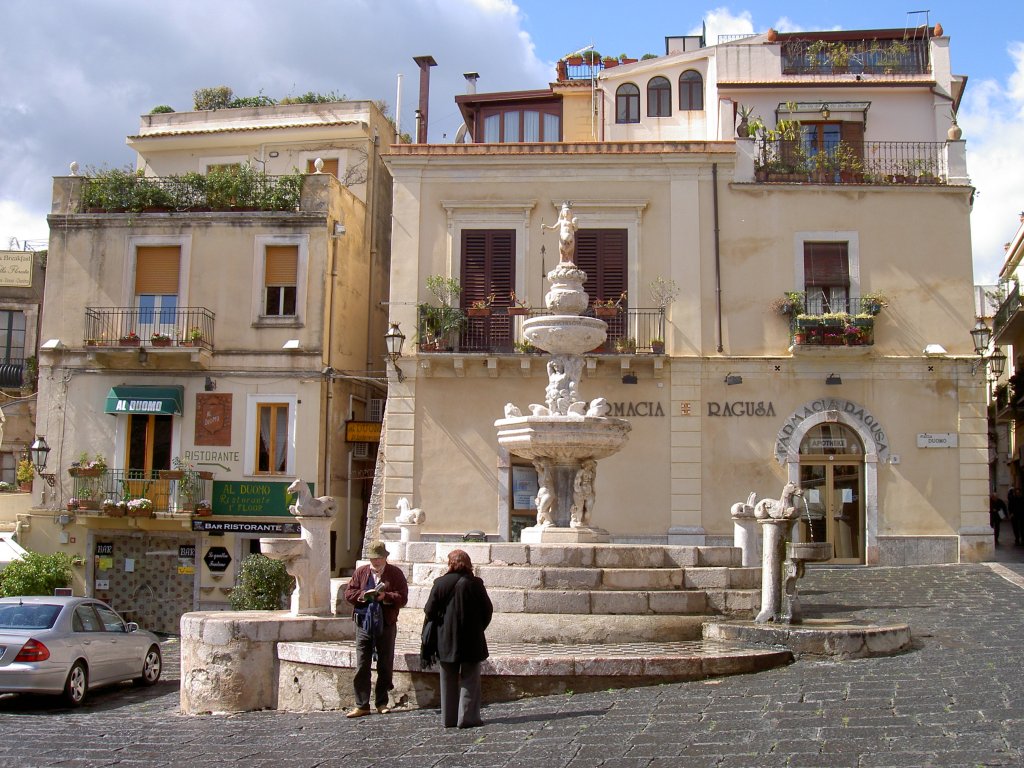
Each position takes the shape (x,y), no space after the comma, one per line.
(362,431)
(217,559)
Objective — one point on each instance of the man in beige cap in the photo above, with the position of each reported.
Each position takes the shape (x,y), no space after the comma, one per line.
(377,591)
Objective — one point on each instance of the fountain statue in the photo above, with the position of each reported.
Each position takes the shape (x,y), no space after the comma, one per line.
(566,435)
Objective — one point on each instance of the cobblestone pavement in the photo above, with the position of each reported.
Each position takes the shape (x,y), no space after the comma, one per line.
(956,699)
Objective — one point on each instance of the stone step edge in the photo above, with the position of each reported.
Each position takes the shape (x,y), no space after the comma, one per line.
(694,658)
(585,555)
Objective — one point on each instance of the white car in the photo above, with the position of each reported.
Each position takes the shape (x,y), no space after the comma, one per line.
(69,645)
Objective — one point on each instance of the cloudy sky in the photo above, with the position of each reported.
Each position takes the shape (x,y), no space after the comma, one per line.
(76,74)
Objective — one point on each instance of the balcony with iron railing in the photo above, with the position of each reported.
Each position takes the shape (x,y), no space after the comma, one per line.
(186,328)
(1008,323)
(170,491)
(843,323)
(868,162)
(630,331)
(873,57)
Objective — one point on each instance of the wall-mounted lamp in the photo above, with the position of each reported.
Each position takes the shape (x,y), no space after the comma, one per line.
(394,339)
(733,378)
(826,113)
(39,451)
(210,385)
(833,380)
(981,335)
(339,229)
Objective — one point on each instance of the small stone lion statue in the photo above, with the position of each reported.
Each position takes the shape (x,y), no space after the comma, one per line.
(408,514)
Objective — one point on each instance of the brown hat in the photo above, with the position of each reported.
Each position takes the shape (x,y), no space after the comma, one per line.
(377,549)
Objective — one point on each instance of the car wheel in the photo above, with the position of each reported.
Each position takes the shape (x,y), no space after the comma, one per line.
(151,667)
(77,684)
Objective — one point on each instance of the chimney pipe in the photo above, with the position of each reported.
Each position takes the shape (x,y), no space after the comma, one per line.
(424,63)
(471,78)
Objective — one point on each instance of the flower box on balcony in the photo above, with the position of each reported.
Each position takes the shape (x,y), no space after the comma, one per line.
(479,311)
(518,311)
(171,474)
(606,311)
(85,471)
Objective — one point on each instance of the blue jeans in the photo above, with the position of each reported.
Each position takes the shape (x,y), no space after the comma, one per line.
(384,644)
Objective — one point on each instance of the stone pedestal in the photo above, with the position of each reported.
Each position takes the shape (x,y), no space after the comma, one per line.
(308,559)
(747,537)
(774,549)
(554,534)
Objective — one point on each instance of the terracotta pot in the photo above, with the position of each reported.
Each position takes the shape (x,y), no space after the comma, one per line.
(518,311)
(161,342)
(83,472)
(130,342)
(606,311)
(658,347)
(478,312)
(171,474)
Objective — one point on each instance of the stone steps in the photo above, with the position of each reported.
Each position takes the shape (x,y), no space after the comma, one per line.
(318,676)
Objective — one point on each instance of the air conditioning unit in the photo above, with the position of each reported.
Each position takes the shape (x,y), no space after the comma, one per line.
(360,451)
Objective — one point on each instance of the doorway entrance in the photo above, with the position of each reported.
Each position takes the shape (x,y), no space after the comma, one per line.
(832,479)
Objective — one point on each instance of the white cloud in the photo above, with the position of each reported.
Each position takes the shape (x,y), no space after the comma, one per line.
(722,21)
(990,116)
(76,76)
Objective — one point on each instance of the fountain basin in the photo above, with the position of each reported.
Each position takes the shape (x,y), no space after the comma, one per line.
(565,334)
(809,551)
(563,438)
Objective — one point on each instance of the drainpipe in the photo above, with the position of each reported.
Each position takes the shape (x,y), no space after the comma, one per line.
(718,256)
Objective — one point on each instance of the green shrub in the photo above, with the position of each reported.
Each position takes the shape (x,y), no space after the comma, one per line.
(218,97)
(263,585)
(161,109)
(36,574)
(251,101)
(312,97)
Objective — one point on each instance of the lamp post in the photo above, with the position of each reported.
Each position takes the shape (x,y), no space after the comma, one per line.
(981,335)
(394,339)
(39,451)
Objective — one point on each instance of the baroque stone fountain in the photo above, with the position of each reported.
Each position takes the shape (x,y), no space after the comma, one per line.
(566,435)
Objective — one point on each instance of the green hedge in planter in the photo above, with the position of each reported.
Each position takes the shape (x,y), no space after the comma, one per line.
(263,585)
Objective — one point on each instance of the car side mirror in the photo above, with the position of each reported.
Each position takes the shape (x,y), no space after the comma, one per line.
(131,626)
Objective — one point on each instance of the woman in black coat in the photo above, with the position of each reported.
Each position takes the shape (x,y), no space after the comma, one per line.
(460,599)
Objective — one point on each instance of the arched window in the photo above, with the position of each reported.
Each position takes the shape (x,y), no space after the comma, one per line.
(691,91)
(627,104)
(659,97)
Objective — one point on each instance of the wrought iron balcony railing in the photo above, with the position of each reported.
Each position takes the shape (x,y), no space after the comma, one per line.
(868,162)
(1007,311)
(629,331)
(169,491)
(12,372)
(135,326)
(823,57)
(847,322)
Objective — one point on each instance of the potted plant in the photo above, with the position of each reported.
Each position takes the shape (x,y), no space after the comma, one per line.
(609,307)
(790,303)
(193,337)
(873,302)
(130,339)
(575,60)
(113,507)
(481,307)
(159,339)
(142,507)
(72,504)
(24,474)
(625,345)
(525,347)
(609,62)
(88,465)
(517,306)
(658,346)
(439,322)
(203,508)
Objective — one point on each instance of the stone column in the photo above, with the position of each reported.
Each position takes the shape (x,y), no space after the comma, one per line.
(773,551)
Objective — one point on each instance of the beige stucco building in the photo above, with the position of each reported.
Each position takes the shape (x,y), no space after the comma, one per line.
(850,195)
(221,311)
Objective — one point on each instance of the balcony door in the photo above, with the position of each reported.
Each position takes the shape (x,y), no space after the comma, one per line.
(832,479)
(148,451)
(156,291)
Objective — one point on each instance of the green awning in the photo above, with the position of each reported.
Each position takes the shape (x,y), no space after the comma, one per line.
(146,399)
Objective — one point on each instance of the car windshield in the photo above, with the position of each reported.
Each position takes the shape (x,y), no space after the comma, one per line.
(27,616)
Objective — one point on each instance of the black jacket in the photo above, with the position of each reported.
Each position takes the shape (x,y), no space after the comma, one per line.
(462,600)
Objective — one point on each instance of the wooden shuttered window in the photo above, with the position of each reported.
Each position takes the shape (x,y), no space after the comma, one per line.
(280,278)
(156,270)
(826,264)
(488,265)
(601,253)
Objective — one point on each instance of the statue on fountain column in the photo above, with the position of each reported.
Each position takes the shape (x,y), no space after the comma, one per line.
(566,226)
(564,373)
(545,497)
(583,494)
